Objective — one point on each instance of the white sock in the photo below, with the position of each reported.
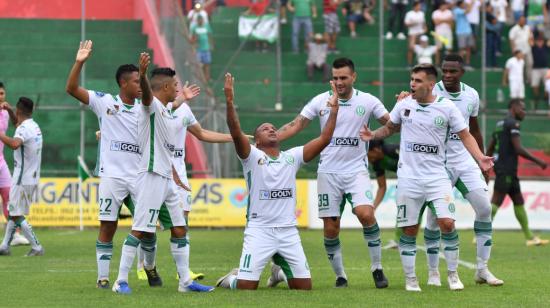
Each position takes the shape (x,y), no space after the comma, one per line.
(483,231)
(371,234)
(181,258)
(450,249)
(140,258)
(407,251)
(8,236)
(431,239)
(129,249)
(103,253)
(26,229)
(334,253)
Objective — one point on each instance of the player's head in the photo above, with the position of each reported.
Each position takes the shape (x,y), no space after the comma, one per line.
(375,152)
(343,74)
(443,6)
(24,107)
(518,54)
(164,84)
(127,78)
(417,6)
(460,3)
(452,69)
(423,79)
(521,21)
(2,92)
(516,107)
(265,135)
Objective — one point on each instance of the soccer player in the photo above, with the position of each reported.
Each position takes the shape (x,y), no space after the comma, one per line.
(422,180)
(270,176)
(464,173)
(154,190)
(506,145)
(5,176)
(343,173)
(27,157)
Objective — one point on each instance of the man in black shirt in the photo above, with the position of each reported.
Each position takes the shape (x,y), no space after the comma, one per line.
(506,146)
(540,51)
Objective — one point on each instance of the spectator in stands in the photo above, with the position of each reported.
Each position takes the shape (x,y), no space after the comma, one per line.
(518,9)
(493,30)
(463,31)
(474,18)
(513,75)
(416,25)
(259,8)
(499,10)
(521,38)
(397,18)
(282,11)
(194,14)
(303,11)
(537,14)
(443,22)
(357,12)
(540,52)
(332,23)
(424,52)
(201,36)
(317,57)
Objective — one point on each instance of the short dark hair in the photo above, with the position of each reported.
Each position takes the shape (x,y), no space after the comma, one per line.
(26,105)
(158,73)
(2,85)
(454,57)
(459,3)
(343,62)
(516,52)
(124,70)
(429,69)
(514,102)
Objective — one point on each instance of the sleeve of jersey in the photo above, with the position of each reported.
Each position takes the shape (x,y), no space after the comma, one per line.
(514,128)
(192,119)
(475,110)
(298,154)
(456,120)
(254,153)
(21,133)
(395,114)
(379,110)
(94,101)
(311,110)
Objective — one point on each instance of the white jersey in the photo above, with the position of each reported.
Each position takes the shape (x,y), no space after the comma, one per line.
(346,152)
(119,151)
(156,138)
(271,186)
(467,102)
(424,132)
(28,157)
(184,118)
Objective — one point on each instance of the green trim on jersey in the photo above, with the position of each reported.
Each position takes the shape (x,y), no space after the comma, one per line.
(128,106)
(22,164)
(152,143)
(249,185)
(461,187)
(280,260)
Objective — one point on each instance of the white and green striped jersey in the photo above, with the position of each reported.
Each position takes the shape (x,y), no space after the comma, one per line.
(156,138)
(28,157)
(271,183)
(424,133)
(184,118)
(346,152)
(119,151)
(467,102)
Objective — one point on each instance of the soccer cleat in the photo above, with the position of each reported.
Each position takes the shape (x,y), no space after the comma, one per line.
(391,245)
(401,36)
(536,241)
(485,276)
(434,279)
(341,282)
(274,280)
(153,277)
(5,251)
(195,276)
(380,280)
(195,287)
(141,274)
(121,287)
(224,280)
(454,281)
(389,36)
(103,284)
(35,252)
(19,240)
(411,284)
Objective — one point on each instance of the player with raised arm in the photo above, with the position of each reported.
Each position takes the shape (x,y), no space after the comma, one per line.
(270,175)
(425,120)
(27,157)
(156,135)
(343,174)
(464,173)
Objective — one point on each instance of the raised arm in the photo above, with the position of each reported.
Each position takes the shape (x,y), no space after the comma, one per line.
(6,106)
(188,92)
(72,87)
(208,135)
(293,127)
(315,146)
(521,151)
(485,162)
(239,138)
(383,132)
(12,143)
(146,92)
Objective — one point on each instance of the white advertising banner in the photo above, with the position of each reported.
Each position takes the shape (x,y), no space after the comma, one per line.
(535,193)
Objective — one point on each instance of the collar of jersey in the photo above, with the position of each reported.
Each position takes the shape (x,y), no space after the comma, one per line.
(117,98)
(437,100)
(453,94)
(345,100)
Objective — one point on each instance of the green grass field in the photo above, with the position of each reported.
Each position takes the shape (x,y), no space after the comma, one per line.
(66,275)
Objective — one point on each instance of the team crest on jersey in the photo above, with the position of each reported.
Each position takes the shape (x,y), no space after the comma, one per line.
(186,121)
(439,122)
(451,207)
(360,111)
(368,194)
(262,161)
(289,160)
(407,112)
(470,108)
(113,111)
(323,112)
(99,94)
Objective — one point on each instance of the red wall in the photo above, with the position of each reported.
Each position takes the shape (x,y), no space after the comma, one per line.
(67,9)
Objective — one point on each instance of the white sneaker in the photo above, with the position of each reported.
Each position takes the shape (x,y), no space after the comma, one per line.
(19,239)
(224,280)
(454,281)
(391,245)
(401,36)
(389,36)
(274,279)
(353,34)
(434,279)
(485,276)
(411,284)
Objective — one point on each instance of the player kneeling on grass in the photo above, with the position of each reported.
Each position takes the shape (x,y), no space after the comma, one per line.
(271,220)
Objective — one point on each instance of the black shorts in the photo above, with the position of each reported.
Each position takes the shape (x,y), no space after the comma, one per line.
(508,184)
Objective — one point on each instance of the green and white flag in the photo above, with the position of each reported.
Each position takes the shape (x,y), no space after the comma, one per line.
(262,28)
(83,171)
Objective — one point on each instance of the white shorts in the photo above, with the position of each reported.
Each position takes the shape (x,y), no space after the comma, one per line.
(281,244)
(413,195)
(154,193)
(517,89)
(466,176)
(184,196)
(334,189)
(21,198)
(112,193)
(537,76)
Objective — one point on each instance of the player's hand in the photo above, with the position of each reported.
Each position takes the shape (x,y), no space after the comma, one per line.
(178,181)
(144,61)
(228,87)
(485,176)
(84,51)
(366,134)
(486,163)
(401,96)
(98,135)
(188,92)
(333,100)
(5,106)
